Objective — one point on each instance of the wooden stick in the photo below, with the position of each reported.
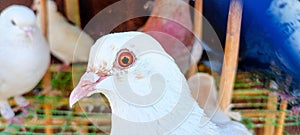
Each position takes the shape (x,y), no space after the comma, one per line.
(197,30)
(48,119)
(47,107)
(47,76)
(269,128)
(44,17)
(198,18)
(231,53)
(250,93)
(72,11)
(281,120)
(257,113)
(44,26)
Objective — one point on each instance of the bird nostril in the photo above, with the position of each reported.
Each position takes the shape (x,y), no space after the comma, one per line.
(27,29)
(101,74)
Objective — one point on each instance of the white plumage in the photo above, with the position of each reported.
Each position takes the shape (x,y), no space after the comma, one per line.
(147,92)
(67,42)
(24,56)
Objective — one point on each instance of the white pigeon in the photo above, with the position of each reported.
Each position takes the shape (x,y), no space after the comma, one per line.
(147,92)
(67,42)
(24,57)
(203,89)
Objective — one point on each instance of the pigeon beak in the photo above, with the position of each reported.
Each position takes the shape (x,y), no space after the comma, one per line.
(85,87)
(28,30)
(33,7)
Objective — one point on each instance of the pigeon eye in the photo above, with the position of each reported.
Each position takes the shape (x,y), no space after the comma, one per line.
(13,22)
(125,58)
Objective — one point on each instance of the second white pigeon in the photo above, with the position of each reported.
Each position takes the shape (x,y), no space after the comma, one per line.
(24,58)
(67,41)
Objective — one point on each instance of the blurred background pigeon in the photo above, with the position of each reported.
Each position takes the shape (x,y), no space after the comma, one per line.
(204,90)
(173,29)
(24,58)
(67,41)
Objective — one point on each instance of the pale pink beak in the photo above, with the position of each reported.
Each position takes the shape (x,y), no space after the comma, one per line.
(33,7)
(28,30)
(85,86)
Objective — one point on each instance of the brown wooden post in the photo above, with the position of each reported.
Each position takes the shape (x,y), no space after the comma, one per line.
(47,76)
(48,118)
(270,118)
(44,17)
(231,53)
(281,117)
(72,11)
(197,30)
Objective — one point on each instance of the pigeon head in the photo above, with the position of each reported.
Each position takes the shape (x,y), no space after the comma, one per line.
(131,69)
(117,57)
(19,19)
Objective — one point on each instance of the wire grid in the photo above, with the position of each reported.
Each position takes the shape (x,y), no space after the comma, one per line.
(59,118)
(261,108)
(54,115)
(51,113)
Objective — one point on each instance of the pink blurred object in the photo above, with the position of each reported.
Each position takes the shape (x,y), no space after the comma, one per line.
(171,24)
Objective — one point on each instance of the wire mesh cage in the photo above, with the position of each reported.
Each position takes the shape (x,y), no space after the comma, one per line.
(263,111)
(51,113)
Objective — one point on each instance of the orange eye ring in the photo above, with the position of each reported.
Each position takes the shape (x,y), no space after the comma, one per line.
(125,58)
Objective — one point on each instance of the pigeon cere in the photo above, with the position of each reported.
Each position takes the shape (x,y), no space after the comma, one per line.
(150,67)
